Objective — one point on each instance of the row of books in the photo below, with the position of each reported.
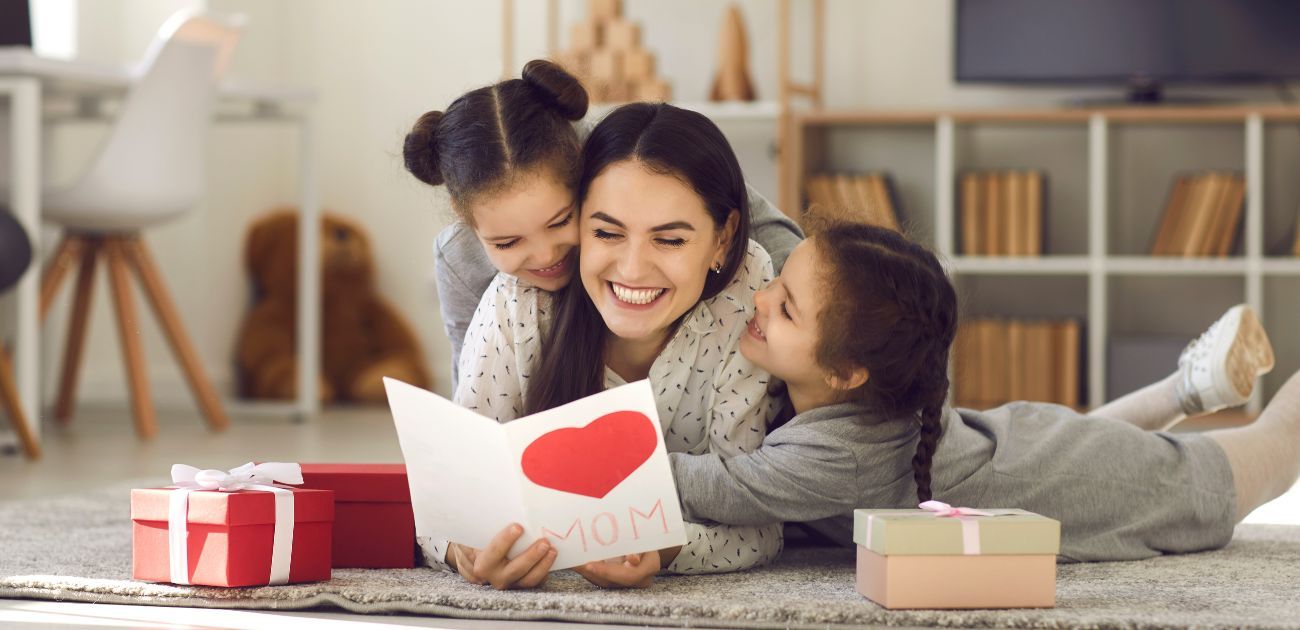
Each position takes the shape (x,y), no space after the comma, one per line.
(1201,216)
(996,361)
(870,194)
(1002,213)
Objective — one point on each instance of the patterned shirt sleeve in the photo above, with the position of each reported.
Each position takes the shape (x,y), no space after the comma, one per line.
(491,384)
(739,414)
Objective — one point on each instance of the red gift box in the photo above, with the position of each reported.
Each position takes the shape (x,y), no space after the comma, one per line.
(231,536)
(374,527)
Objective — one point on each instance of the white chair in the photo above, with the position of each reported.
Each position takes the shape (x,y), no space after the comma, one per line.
(149,171)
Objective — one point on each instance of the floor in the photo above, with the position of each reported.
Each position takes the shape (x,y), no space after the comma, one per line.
(99,447)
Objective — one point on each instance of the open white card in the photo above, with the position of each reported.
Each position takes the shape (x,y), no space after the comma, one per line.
(592,476)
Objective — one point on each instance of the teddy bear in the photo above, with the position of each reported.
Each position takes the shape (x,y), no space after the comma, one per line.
(363,337)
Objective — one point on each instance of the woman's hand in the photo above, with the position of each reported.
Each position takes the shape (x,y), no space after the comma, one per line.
(637,570)
(490,565)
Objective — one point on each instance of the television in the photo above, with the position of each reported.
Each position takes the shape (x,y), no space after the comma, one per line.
(1143,44)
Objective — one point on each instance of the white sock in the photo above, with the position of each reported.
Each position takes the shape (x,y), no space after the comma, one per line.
(1265,455)
(1156,407)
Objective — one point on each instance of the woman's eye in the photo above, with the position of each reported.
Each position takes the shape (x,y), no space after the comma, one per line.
(506,245)
(671,242)
(785,312)
(606,236)
(568,218)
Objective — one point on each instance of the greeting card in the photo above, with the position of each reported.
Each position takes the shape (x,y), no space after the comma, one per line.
(591,476)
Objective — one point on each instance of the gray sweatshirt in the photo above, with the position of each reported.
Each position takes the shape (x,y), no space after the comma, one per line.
(464,272)
(1121,493)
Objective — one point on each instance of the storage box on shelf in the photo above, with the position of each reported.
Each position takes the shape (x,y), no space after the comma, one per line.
(1110,173)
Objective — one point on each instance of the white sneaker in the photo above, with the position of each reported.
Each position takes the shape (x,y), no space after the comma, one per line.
(1220,367)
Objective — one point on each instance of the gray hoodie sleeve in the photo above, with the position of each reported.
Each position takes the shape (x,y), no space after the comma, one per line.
(799,474)
(463,274)
(775,231)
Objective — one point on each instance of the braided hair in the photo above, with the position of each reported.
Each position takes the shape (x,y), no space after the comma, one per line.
(896,292)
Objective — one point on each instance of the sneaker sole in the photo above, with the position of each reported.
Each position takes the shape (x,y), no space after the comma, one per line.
(1251,354)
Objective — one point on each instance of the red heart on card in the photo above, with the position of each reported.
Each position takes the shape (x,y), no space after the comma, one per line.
(594,459)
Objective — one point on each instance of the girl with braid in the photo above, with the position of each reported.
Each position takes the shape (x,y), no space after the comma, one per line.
(859,325)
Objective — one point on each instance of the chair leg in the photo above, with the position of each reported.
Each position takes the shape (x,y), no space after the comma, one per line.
(9,397)
(65,256)
(146,424)
(165,309)
(76,339)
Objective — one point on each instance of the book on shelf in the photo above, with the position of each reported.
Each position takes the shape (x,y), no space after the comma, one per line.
(1001,213)
(1202,215)
(871,195)
(996,361)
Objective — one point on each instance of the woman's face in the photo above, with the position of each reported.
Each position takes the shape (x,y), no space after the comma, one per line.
(648,242)
(530,230)
(782,336)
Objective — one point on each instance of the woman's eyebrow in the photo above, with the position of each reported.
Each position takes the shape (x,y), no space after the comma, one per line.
(674,225)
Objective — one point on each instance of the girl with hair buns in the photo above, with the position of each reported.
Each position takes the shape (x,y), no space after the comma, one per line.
(859,325)
(508,155)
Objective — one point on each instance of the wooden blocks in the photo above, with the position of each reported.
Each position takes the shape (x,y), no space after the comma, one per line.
(605,53)
(622,35)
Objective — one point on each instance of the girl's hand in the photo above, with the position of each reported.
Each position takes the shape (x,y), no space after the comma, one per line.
(637,570)
(490,565)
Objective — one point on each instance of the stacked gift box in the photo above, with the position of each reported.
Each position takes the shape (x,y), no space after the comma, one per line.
(272,524)
(944,557)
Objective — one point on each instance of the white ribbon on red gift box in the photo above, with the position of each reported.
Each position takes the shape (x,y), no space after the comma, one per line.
(970,527)
(250,476)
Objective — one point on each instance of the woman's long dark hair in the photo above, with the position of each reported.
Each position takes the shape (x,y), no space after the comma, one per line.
(892,310)
(489,135)
(666,140)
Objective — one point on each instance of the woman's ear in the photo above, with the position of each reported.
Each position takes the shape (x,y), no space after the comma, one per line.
(848,380)
(725,235)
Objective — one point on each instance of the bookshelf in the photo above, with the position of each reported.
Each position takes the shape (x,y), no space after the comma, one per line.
(1108,172)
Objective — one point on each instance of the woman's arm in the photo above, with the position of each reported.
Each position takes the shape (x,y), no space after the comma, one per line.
(500,344)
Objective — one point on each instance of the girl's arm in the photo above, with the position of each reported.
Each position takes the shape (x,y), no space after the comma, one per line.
(724,548)
(775,231)
(463,274)
(799,474)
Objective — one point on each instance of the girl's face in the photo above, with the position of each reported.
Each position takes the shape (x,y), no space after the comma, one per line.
(782,336)
(530,230)
(648,242)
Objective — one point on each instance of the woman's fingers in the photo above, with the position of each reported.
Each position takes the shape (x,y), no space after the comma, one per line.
(465,563)
(507,575)
(540,571)
(632,573)
(494,554)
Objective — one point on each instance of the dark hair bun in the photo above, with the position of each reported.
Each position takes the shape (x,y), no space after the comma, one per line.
(560,90)
(420,150)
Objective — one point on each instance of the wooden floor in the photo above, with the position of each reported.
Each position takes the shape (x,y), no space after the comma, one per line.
(100,447)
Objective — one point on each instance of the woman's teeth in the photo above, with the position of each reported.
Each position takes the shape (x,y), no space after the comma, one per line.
(635,296)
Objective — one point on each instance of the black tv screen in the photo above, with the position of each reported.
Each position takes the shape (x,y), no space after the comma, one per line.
(1119,41)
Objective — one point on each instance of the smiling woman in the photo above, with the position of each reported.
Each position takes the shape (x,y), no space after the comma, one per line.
(667,278)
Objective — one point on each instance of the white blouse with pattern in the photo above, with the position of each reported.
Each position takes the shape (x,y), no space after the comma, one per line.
(710,398)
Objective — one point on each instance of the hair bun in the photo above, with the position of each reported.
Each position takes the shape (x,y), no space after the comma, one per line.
(561,91)
(420,150)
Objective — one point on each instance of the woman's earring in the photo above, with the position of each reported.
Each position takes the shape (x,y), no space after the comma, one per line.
(717,268)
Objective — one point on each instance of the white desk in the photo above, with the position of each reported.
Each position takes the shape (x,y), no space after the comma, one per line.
(31,84)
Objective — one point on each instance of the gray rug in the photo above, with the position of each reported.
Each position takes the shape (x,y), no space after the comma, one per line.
(78,548)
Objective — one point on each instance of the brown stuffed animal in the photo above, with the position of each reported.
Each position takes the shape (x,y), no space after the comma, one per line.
(364,338)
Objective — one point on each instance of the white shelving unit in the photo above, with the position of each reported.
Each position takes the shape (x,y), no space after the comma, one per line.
(1095,267)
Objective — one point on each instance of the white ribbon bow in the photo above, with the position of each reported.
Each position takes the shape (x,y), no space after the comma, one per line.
(250,476)
(942,509)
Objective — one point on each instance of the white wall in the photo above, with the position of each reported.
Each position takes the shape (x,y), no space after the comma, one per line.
(379,65)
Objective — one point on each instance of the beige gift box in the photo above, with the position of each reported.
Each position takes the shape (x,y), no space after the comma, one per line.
(920,559)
